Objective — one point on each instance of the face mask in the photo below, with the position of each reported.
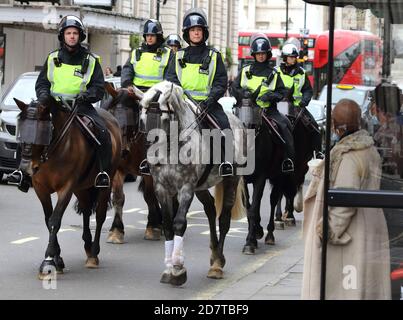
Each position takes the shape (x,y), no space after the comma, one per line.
(334,138)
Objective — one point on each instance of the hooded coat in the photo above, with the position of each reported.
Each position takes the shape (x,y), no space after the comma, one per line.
(358,258)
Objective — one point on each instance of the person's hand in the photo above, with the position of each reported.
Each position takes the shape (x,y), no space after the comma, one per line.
(206,104)
(82,97)
(45,100)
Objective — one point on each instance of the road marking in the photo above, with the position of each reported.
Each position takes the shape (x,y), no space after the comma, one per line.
(24,240)
(143,211)
(131,210)
(66,229)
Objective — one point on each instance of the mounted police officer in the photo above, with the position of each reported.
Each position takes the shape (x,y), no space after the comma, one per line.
(260,82)
(147,65)
(299,88)
(174,41)
(74,74)
(200,70)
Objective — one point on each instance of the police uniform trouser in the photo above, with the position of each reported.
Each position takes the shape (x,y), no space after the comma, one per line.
(217,112)
(285,130)
(315,135)
(102,134)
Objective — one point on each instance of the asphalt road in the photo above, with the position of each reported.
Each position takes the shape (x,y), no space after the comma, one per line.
(128,271)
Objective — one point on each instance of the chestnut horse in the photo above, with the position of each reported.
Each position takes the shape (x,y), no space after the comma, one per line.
(125,107)
(68,167)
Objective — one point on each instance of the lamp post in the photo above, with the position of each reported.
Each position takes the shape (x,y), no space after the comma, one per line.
(158,7)
(286,19)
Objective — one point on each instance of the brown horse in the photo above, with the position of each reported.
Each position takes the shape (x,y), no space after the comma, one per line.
(68,167)
(126,109)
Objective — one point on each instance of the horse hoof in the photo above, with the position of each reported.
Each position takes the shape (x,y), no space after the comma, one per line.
(47,269)
(215,273)
(92,263)
(59,264)
(166,276)
(115,237)
(178,276)
(259,233)
(249,249)
(290,222)
(270,239)
(279,225)
(153,234)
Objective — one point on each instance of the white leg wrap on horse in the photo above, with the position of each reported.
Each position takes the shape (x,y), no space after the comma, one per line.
(177,255)
(169,248)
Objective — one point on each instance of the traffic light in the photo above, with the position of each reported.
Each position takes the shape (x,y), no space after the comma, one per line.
(304,50)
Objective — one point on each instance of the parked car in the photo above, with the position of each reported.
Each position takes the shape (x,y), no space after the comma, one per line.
(23,88)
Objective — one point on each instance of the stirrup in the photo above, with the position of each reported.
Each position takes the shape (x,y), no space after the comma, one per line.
(287,165)
(144,168)
(318,155)
(226,169)
(102,180)
(15,178)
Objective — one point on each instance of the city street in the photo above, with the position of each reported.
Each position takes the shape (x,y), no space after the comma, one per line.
(132,270)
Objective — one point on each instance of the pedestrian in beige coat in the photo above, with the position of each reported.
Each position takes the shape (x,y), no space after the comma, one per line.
(358,262)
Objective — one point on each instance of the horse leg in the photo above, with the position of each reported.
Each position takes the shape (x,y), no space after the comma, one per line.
(185,197)
(230,185)
(278,222)
(167,209)
(290,219)
(84,207)
(247,203)
(52,254)
(116,232)
(255,230)
(209,208)
(154,223)
(46,201)
(274,196)
(101,208)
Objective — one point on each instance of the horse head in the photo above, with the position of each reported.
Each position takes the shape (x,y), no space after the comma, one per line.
(34,132)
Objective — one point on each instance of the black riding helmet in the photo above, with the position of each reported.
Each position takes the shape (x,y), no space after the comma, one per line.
(260,43)
(71,21)
(153,26)
(174,40)
(195,17)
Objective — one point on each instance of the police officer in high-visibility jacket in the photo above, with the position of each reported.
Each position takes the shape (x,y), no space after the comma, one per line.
(73,73)
(261,81)
(147,65)
(174,41)
(200,70)
(299,89)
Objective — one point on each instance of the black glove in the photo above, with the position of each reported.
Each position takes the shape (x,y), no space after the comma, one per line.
(45,100)
(302,104)
(267,97)
(82,97)
(206,104)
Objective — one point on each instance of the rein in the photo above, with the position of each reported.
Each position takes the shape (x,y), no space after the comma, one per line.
(63,132)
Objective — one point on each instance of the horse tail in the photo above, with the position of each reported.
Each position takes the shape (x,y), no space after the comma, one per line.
(92,204)
(238,210)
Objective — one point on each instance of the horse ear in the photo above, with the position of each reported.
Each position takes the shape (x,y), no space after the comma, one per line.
(21,104)
(110,89)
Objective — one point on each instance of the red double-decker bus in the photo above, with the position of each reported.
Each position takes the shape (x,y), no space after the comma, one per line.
(277,40)
(357,58)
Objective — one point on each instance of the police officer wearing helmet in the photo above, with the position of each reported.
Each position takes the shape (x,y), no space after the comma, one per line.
(262,83)
(174,41)
(200,70)
(147,65)
(74,73)
(299,88)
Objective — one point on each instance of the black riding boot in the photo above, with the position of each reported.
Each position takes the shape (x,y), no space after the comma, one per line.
(226,168)
(287,165)
(104,154)
(19,177)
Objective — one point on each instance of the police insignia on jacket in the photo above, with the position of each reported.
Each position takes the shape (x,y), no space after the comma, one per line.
(203,71)
(157,58)
(77,73)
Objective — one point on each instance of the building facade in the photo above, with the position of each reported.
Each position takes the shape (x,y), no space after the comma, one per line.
(28,28)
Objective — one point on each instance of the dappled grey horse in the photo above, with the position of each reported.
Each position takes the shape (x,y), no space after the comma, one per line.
(180,166)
